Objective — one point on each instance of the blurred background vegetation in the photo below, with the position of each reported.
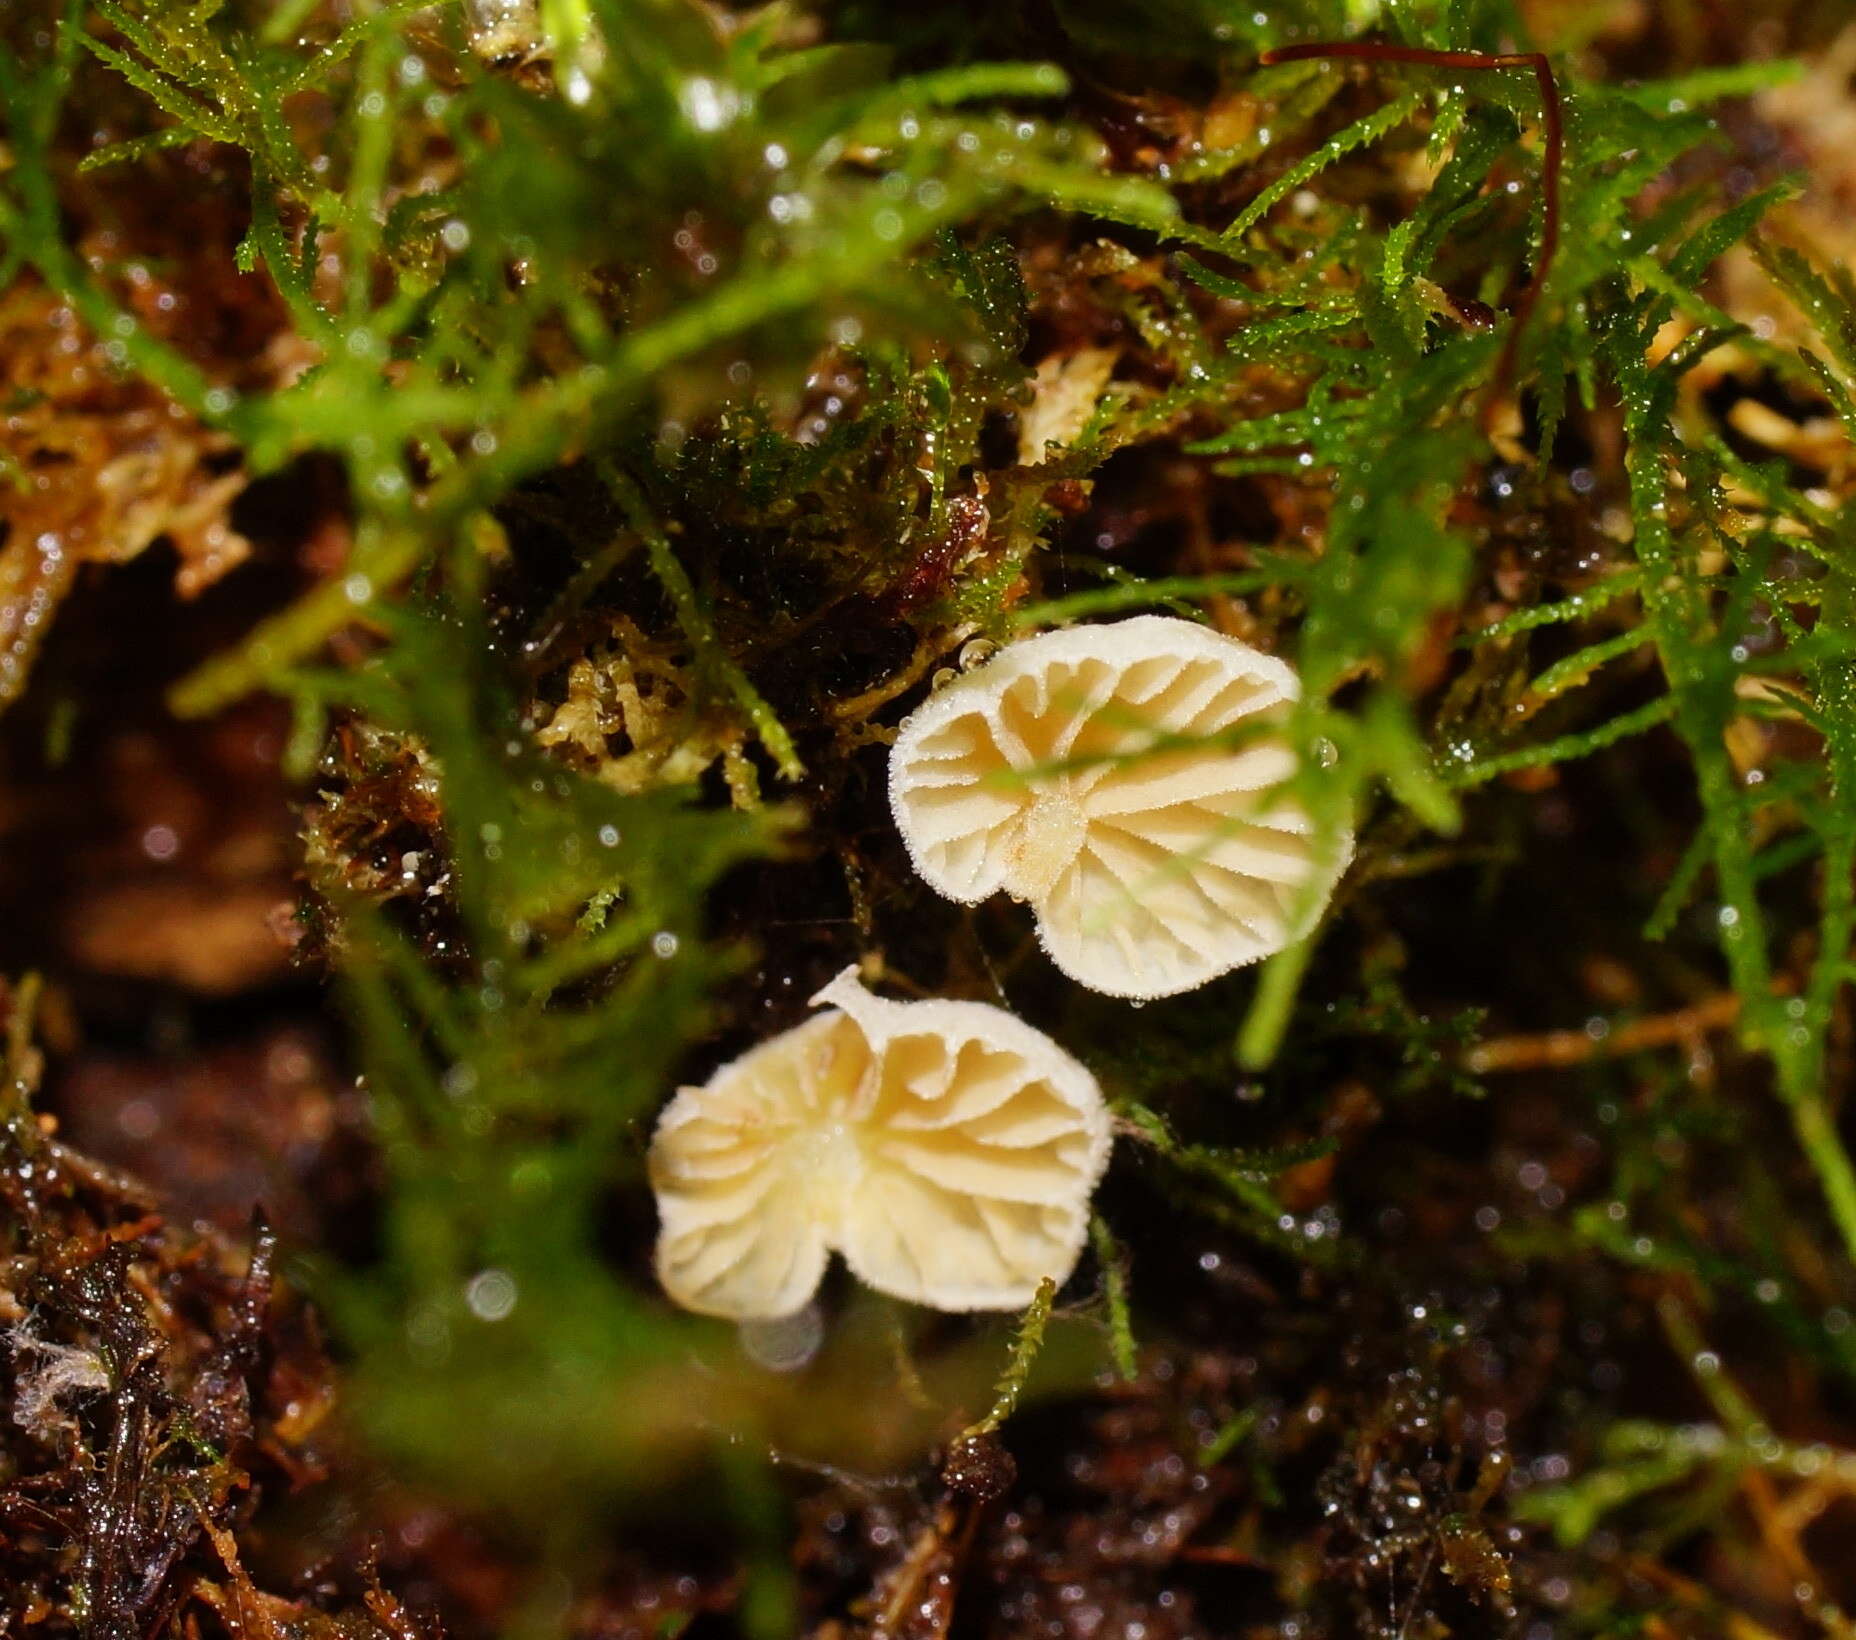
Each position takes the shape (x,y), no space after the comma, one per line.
(481,482)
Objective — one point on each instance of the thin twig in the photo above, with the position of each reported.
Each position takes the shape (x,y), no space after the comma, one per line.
(1551,1049)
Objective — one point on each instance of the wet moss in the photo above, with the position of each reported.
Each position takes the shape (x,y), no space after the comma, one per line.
(631,408)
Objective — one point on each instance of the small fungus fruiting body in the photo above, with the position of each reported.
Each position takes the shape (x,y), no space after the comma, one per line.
(1119,778)
(945,1149)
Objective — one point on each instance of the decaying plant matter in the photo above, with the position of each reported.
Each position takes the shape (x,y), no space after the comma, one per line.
(159,1386)
(484,488)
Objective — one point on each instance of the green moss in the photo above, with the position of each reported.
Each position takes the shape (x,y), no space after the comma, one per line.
(713,329)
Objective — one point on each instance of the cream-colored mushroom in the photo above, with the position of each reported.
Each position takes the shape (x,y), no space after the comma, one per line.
(945,1149)
(1119,779)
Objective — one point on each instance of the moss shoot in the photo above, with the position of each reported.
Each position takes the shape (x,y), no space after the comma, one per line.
(483,481)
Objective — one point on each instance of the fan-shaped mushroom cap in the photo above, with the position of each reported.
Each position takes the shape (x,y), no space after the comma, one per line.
(945,1149)
(1104,774)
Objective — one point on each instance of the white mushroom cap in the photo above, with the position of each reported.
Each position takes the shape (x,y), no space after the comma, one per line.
(945,1149)
(1105,775)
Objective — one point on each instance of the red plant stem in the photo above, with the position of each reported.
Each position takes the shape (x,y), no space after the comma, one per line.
(1553,125)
